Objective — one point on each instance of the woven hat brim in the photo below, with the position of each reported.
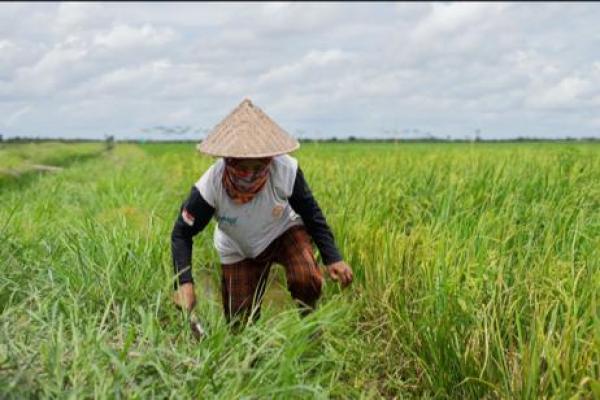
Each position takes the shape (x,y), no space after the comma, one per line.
(237,154)
(248,132)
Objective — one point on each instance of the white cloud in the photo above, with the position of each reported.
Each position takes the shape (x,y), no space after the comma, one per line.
(446,18)
(50,72)
(315,59)
(77,16)
(563,94)
(127,37)
(5,45)
(331,69)
(11,119)
(292,18)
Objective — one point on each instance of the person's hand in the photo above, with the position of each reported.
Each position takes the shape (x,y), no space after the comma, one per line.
(341,272)
(184,297)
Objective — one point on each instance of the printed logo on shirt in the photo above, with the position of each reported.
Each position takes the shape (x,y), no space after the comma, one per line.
(277,211)
(227,220)
(188,218)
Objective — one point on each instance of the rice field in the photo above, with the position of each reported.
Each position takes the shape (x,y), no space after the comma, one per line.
(477,275)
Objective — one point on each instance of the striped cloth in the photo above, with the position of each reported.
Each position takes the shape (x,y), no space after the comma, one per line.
(243,283)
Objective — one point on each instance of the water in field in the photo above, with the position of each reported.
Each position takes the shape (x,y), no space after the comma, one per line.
(477,275)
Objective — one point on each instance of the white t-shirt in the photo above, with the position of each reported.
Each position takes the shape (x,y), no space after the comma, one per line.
(245,230)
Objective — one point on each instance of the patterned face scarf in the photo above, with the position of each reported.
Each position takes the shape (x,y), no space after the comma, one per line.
(243,184)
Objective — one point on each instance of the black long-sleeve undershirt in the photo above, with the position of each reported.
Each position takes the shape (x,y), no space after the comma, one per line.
(182,234)
(304,204)
(301,201)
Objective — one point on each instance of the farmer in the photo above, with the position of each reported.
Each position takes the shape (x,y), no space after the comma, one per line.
(265,214)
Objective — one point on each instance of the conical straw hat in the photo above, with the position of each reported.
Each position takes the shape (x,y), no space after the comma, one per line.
(247,132)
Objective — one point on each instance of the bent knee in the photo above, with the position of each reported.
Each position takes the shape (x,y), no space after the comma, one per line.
(307,286)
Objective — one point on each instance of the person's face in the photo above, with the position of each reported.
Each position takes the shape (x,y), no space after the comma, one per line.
(252,165)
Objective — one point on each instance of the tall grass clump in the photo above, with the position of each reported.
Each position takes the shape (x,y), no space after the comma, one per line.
(476,276)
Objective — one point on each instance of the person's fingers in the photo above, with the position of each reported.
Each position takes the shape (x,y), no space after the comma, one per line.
(190,301)
(184,298)
(341,272)
(177,300)
(187,297)
(333,273)
(342,276)
(347,277)
(350,275)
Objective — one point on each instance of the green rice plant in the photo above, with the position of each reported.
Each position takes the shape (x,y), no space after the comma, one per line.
(476,276)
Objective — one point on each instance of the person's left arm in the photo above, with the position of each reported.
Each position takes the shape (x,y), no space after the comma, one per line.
(303,202)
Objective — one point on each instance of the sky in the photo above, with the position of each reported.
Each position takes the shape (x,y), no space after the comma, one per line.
(401,70)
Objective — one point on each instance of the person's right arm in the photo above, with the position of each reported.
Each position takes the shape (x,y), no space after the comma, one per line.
(194,214)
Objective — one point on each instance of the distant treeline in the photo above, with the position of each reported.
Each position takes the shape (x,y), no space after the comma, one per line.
(17,139)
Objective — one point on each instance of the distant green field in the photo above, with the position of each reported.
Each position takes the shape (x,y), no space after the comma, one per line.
(19,161)
(477,275)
